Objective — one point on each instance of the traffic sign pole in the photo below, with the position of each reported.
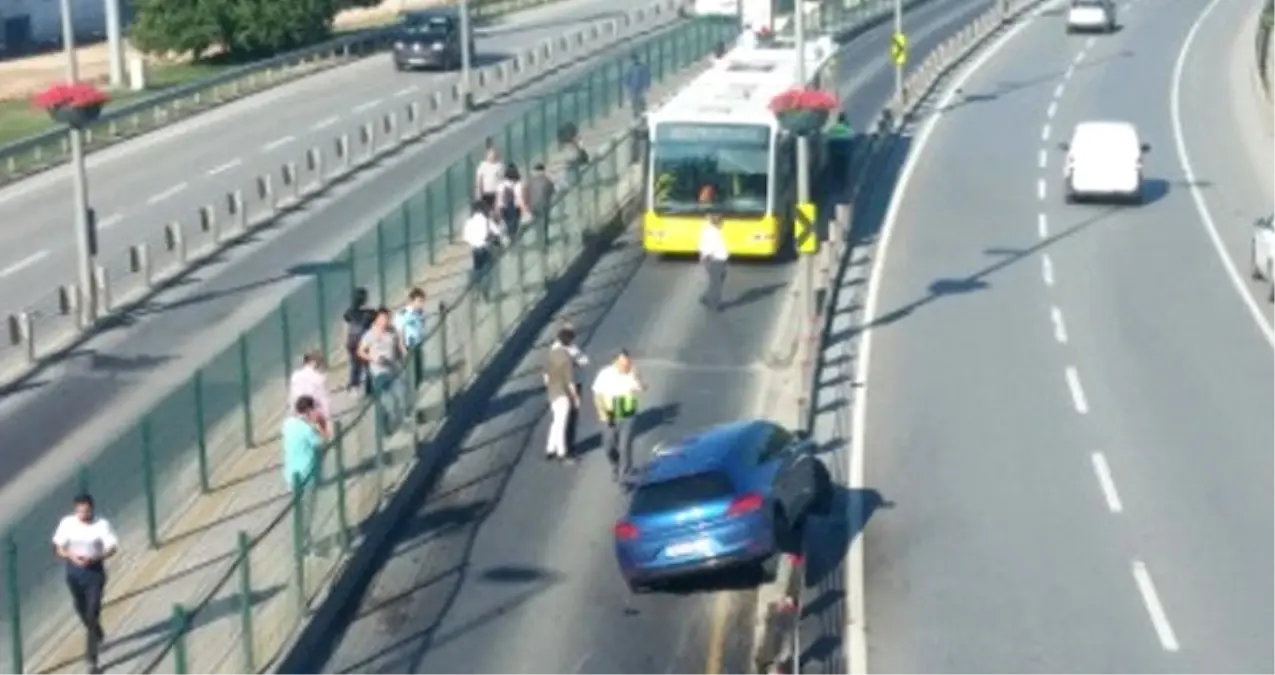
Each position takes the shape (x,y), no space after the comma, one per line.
(898,62)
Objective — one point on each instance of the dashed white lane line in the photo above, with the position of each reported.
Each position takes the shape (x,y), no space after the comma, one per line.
(407,91)
(1042,226)
(1077,391)
(1044,133)
(1042,158)
(109,221)
(1047,269)
(24,263)
(1108,485)
(1071,71)
(1080,56)
(1060,327)
(157,198)
(367,106)
(225,167)
(1159,620)
(1089,43)
(1053,108)
(277,143)
(324,124)
(1040,188)
(1059,89)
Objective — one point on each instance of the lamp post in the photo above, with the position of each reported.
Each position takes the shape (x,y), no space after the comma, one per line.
(114,43)
(898,67)
(84,239)
(804,208)
(466,57)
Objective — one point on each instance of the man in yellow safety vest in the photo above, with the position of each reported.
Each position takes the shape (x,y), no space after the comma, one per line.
(615,394)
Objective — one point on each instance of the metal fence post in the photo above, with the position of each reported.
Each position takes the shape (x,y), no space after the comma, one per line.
(148,481)
(325,340)
(430,235)
(14,604)
(285,330)
(245,602)
(408,269)
(382,273)
(201,434)
(181,622)
(298,543)
(444,363)
(245,389)
(343,518)
(82,480)
(378,411)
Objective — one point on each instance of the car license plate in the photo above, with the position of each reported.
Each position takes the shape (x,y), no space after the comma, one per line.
(689,548)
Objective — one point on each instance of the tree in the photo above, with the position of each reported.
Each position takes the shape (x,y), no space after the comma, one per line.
(237,28)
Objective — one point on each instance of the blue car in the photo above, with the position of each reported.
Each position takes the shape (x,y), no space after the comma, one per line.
(732,495)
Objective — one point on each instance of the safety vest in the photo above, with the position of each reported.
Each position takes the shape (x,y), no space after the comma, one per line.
(839,132)
(624,406)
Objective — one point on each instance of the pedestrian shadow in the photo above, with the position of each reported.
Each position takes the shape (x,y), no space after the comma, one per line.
(753,295)
(647,419)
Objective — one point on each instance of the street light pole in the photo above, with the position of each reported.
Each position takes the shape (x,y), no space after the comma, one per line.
(114,43)
(898,67)
(804,208)
(83,243)
(466,57)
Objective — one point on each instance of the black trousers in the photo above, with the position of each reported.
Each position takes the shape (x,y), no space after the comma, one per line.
(716,272)
(481,258)
(87,585)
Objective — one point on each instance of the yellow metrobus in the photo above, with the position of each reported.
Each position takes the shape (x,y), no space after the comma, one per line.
(715,147)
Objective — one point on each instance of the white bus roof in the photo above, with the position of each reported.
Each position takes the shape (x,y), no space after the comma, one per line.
(739,87)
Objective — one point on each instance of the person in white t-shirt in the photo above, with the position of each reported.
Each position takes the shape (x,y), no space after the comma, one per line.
(84,541)
(615,395)
(487,179)
(479,231)
(713,255)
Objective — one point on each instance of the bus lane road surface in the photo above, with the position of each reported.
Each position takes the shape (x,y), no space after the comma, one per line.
(509,566)
(1070,406)
(139,186)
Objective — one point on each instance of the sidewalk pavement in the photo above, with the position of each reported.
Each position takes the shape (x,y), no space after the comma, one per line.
(199,544)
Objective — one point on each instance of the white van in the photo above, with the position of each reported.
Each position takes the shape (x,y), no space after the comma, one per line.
(1104,161)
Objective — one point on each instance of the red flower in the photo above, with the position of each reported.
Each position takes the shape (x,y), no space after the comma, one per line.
(804,99)
(78,95)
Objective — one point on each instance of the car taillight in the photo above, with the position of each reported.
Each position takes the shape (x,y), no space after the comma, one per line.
(745,504)
(624,531)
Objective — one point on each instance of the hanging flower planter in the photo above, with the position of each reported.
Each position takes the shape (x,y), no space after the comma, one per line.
(75,105)
(803,112)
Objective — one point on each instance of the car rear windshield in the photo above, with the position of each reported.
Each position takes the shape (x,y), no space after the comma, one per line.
(679,493)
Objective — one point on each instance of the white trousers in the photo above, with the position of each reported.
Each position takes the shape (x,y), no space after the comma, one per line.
(560,410)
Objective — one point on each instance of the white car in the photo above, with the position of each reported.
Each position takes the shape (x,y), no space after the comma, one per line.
(1104,161)
(1263,247)
(1091,16)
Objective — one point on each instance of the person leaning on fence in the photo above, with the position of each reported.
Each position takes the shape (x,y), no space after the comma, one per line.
(538,192)
(84,541)
(358,318)
(409,325)
(311,380)
(302,454)
(379,349)
(479,233)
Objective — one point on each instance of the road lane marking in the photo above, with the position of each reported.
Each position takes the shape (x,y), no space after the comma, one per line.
(24,263)
(1201,206)
(1042,158)
(324,124)
(1150,599)
(1103,472)
(1089,43)
(1042,226)
(225,167)
(157,198)
(1044,133)
(1071,70)
(1077,392)
(1053,108)
(277,143)
(109,221)
(1047,269)
(367,106)
(855,635)
(407,91)
(1080,56)
(717,634)
(1040,188)
(1060,328)
(1059,89)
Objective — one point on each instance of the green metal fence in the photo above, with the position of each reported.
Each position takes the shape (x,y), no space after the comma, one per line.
(236,400)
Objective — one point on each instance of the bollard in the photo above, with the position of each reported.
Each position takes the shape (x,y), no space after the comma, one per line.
(294,184)
(174,241)
(369,140)
(238,208)
(435,102)
(343,152)
(265,189)
(102,279)
(412,113)
(26,334)
(320,175)
(208,221)
(139,262)
(389,125)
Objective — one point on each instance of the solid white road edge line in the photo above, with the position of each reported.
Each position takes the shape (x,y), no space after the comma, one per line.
(1077,392)
(1197,196)
(1159,620)
(856,635)
(1105,482)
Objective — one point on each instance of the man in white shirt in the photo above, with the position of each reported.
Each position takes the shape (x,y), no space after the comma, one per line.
(478,232)
(713,255)
(487,178)
(615,395)
(311,380)
(84,541)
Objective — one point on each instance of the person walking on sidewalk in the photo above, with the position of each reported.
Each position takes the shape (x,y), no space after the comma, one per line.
(487,178)
(409,325)
(302,454)
(637,82)
(615,395)
(358,318)
(713,256)
(311,380)
(85,541)
(562,391)
(511,200)
(479,233)
(379,349)
(539,190)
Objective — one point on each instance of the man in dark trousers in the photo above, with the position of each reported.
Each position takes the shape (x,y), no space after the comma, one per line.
(637,82)
(84,541)
(713,256)
(540,191)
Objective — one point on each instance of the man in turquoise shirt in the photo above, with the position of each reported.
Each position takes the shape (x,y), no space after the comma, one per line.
(302,454)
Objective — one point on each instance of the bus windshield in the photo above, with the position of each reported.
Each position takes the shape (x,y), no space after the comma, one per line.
(702,168)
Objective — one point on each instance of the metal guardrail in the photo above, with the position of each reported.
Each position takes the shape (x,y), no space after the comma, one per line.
(51,148)
(127,276)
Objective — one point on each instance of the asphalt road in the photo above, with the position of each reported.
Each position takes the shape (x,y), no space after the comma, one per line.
(1069,406)
(507,566)
(139,186)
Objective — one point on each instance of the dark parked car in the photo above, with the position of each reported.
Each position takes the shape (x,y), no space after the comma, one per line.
(430,39)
